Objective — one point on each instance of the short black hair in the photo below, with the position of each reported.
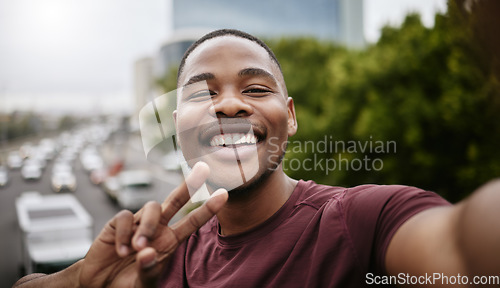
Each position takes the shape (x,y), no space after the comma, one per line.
(226,32)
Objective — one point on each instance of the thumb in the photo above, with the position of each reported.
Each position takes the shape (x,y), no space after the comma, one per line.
(148,268)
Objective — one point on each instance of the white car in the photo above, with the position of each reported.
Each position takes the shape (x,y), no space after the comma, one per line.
(135,189)
(91,161)
(14,160)
(63,181)
(47,148)
(39,157)
(61,166)
(110,185)
(4,176)
(56,231)
(31,170)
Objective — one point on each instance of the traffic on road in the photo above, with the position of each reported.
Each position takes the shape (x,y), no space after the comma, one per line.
(84,167)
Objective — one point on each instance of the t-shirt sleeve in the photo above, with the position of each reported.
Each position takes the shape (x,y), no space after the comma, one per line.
(374,213)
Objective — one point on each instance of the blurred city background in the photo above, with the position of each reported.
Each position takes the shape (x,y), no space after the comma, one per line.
(75,74)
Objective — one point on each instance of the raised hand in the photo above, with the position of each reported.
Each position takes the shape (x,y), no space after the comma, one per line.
(131,249)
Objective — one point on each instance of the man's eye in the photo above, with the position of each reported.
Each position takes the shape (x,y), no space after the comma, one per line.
(257,91)
(201,95)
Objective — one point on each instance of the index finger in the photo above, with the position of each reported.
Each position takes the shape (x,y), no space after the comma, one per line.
(194,220)
(180,195)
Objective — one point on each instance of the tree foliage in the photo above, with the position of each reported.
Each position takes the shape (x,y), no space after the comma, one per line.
(428,90)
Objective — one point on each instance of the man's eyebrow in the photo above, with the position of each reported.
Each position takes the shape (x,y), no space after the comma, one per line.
(199,78)
(257,72)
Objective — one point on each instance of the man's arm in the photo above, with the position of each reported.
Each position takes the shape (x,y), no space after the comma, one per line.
(65,278)
(461,239)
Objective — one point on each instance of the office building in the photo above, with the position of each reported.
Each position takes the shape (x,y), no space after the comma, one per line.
(336,20)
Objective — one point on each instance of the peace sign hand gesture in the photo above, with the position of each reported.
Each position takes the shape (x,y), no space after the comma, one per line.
(132,249)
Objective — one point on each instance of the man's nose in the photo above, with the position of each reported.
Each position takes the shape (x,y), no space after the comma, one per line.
(231,104)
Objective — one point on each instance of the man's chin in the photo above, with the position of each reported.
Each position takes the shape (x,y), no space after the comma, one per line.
(244,190)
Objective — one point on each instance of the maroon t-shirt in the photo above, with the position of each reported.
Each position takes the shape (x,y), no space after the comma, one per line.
(323,236)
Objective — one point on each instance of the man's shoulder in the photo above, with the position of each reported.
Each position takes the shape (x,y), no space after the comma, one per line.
(316,195)
(391,195)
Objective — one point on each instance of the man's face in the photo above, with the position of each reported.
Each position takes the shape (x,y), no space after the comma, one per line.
(234,113)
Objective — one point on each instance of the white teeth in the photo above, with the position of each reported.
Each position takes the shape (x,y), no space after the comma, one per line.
(236,138)
(233,139)
(246,139)
(239,138)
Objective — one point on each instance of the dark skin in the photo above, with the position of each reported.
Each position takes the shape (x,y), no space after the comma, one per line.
(261,98)
(462,238)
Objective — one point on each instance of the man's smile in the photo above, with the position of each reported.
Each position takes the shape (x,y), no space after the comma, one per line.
(233,139)
(231,133)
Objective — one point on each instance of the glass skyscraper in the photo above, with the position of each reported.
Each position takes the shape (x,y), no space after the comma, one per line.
(336,20)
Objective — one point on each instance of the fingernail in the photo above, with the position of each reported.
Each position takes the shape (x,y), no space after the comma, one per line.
(142,242)
(149,264)
(218,192)
(198,175)
(123,250)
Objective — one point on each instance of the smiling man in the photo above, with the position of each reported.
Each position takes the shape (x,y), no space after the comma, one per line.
(271,230)
(238,101)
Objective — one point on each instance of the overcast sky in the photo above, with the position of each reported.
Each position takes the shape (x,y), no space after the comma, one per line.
(56,54)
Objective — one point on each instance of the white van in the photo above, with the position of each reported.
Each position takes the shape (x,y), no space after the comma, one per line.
(56,231)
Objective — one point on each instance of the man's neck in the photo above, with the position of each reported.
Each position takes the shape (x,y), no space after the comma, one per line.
(243,214)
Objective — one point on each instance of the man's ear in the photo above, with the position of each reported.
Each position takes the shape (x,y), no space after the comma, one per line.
(292,119)
(174,115)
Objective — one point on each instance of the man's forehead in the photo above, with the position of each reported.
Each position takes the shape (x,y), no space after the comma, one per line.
(206,51)
(227,41)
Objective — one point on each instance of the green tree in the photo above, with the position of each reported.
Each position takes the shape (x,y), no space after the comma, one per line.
(427,90)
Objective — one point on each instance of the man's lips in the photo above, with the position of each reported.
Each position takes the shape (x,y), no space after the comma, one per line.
(222,133)
(231,131)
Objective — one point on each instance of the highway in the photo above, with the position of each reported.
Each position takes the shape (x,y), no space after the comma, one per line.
(92,197)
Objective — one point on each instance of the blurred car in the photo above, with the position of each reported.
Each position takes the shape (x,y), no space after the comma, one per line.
(98,176)
(14,160)
(4,176)
(47,148)
(67,155)
(135,189)
(61,166)
(56,231)
(63,180)
(36,156)
(111,185)
(31,170)
(91,160)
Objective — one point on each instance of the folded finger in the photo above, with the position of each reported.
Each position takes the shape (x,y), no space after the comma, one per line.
(147,225)
(124,225)
(148,267)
